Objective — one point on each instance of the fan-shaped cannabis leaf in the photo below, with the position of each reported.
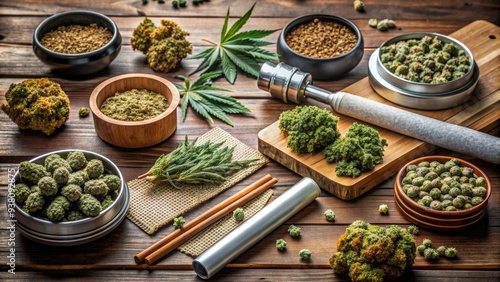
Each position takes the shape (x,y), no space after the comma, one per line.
(236,50)
(207,100)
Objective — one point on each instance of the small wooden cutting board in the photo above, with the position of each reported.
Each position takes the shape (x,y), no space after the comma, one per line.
(481,112)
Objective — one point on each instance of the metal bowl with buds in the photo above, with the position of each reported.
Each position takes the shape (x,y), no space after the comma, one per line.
(69,233)
(433,95)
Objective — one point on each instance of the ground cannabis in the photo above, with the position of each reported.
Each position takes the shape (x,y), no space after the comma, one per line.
(134,105)
(76,39)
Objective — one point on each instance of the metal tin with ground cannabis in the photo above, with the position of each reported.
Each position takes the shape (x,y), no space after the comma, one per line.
(134,105)
(76,39)
(321,39)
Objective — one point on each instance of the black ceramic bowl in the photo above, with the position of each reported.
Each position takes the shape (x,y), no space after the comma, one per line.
(83,63)
(319,68)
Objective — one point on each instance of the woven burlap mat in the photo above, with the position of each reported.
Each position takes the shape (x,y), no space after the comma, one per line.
(213,233)
(152,206)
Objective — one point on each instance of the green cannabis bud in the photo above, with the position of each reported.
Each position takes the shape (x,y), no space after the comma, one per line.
(280,244)
(450,252)
(329,215)
(412,229)
(359,5)
(165,46)
(83,112)
(179,222)
(294,231)
(383,209)
(239,214)
(372,22)
(305,254)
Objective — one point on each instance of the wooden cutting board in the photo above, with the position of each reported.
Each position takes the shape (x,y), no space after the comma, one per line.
(481,112)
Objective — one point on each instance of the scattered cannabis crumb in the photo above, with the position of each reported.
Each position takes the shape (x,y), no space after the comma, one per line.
(359,5)
(383,209)
(179,222)
(239,214)
(329,215)
(432,254)
(294,231)
(84,112)
(280,244)
(305,254)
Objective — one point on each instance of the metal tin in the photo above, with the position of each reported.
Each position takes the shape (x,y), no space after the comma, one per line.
(402,95)
(255,228)
(425,88)
(34,227)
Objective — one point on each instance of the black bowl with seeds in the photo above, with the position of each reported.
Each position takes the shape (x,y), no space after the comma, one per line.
(77,42)
(326,46)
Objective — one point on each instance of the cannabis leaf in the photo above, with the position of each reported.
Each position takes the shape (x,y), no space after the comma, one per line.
(236,50)
(206,99)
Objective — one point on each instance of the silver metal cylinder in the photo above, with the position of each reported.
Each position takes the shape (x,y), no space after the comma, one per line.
(256,227)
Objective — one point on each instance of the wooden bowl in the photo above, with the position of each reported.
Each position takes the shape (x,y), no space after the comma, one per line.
(435,219)
(135,134)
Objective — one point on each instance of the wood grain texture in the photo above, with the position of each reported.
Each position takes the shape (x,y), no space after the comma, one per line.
(111,257)
(273,143)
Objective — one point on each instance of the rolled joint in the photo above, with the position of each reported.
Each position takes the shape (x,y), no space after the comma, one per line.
(284,82)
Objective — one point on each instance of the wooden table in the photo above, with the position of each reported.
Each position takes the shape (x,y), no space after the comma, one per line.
(111,257)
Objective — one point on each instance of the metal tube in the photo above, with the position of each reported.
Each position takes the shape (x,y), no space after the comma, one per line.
(256,227)
(446,135)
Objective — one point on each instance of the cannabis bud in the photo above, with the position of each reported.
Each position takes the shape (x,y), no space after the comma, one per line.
(83,112)
(372,22)
(305,254)
(165,46)
(383,209)
(294,231)
(280,244)
(329,215)
(359,5)
(238,214)
(179,222)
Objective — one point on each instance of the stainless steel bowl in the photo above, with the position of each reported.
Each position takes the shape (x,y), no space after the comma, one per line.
(79,231)
(422,96)
(425,88)
(77,64)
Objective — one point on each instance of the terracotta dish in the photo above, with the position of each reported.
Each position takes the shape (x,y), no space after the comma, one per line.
(436,219)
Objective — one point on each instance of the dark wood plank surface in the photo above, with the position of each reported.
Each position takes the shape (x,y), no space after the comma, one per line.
(111,257)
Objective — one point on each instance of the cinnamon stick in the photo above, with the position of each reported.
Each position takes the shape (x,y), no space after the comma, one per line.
(142,255)
(186,235)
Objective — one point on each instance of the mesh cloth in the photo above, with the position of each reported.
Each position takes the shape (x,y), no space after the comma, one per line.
(213,233)
(152,206)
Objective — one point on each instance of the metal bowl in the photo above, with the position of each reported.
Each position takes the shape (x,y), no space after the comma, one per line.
(321,68)
(77,64)
(417,95)
(78,231)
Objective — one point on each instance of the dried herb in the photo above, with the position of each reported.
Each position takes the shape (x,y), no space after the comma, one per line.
(76,39)
(236,50)
(189,163)
(206,99)
(134,105)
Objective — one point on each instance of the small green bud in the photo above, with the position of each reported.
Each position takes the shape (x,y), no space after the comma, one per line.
(179,222)
(450,252)
(239,214)
(383,209)
(182,3)
(161,1)
(427,243)
(373,22)
(280,244)
(382,25)
(430,253)
(294,231)
(329,215)
(84,112)
(305,254)
(175,3)
(359,5)
(421,249)
(441,250)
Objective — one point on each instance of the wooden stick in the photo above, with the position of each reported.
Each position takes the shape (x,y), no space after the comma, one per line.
(142,255)
(183,237)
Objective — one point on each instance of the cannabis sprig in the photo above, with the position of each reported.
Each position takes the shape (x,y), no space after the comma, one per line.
(189,163)
(236,50)
(207,99)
